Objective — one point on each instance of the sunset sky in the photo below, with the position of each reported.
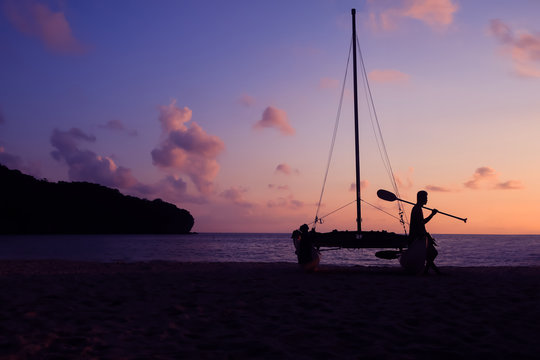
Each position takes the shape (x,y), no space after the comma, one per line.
(227,108)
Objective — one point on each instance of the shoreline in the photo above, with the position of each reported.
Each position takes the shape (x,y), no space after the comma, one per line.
(159,309)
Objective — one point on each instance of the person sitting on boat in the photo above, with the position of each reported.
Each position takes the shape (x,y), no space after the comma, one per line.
(308,256)
(417,230)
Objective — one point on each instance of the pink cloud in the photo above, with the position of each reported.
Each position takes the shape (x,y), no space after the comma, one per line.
(480,175)
(436,188)
(510,185)
(286,169)
(117,125)
(523,48)
(386,15)
(246,100)
(187,149)
(328,83)
(488,177)
(405,181)
(275,118)
(38,20)
(364,184)
(285,202)
(85,165)
(235,194)
(278,187)
(388,76)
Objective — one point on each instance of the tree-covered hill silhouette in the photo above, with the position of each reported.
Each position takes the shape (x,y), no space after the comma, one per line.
(31,206)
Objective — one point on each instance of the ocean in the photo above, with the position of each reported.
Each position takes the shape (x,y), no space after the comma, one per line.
(454,250)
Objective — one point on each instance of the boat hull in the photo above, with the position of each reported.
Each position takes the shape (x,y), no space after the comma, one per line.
(362,240)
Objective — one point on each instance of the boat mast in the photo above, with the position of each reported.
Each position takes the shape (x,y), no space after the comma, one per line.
(356,140)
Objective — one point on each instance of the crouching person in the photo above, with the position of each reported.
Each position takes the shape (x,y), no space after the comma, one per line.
(308,256)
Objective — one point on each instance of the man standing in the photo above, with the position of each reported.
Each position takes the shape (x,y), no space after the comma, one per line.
(417,230)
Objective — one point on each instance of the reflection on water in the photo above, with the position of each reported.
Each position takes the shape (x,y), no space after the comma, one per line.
(454,250)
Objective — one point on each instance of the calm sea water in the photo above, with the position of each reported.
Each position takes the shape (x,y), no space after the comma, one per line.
(454,250)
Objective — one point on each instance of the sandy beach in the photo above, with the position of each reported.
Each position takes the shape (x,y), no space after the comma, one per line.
(166,310)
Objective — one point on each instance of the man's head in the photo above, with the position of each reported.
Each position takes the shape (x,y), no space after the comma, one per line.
(421,197)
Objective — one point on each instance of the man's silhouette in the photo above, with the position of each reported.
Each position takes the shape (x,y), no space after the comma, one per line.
(417,230)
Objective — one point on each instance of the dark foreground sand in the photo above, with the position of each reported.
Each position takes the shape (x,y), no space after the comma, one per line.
(160,310)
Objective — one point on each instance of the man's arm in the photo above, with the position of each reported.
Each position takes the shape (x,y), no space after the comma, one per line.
(433,212)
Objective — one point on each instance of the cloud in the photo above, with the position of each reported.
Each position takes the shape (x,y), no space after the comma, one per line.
(523,48)
(235,194)
(246,100)
(387,15)
(285,202)
(275,118)
(117,125)
(388,76)
(286,169)
(364,184)
(510,185)
(172,188)
(278,187)
(436,188)
(405,181)
(328,83)
(487,177)
(85,165)
(38,20)
(480,175)
(187,149)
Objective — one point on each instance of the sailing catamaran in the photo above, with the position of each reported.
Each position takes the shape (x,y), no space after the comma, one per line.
(359,239)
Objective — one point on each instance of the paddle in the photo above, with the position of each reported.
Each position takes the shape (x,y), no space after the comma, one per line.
(388,196)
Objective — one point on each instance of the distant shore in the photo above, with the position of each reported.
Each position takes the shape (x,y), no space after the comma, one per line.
(265,310)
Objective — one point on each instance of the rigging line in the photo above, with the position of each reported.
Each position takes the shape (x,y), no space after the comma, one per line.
(389,164)
(372,114)
(334,211)
(338,115)
(352,202)
(384,211)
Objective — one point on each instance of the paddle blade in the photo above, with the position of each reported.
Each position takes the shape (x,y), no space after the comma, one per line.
(386,195)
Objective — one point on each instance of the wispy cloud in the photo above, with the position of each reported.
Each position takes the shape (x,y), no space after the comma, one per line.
(388,76)
(510,185)
(273,117)
(387,15)
(117,125)
(364,184)
(481,175)
(436,188)
(522,47)
(246,100)
(187,149)
(487,177)
(285,202)
(405,181)
(278,187)
(286,169)
(38,20)
(235,194)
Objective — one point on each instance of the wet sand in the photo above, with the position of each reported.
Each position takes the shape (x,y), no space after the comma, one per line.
(166,310)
